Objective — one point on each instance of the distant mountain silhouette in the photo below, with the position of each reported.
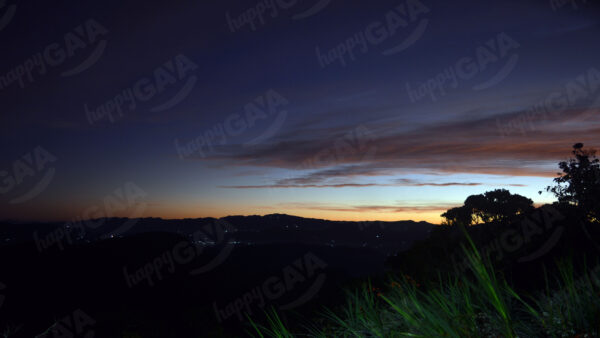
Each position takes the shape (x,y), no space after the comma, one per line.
(385,237)
(61,267)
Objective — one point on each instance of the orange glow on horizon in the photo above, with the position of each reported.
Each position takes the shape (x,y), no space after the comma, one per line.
(431,216)
(181,212)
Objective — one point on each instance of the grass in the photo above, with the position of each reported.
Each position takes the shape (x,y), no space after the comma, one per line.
(478,304)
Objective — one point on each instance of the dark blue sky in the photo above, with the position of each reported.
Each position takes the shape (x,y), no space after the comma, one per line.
(361,110)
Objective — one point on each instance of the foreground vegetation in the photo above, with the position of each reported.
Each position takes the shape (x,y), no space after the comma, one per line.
(479,304)
(556,295)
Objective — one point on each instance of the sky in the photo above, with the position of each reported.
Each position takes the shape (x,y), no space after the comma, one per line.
(343,110)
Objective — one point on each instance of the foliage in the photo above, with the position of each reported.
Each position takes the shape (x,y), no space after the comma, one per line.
(493,206)
(480,304)
(579,182)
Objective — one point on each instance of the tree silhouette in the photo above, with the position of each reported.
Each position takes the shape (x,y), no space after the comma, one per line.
(579,183)
(458,216)
(493,206)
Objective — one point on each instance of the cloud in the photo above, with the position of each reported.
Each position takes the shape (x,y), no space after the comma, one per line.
(413,183)
(271,186)
(398,183)
(368,208)
(473,145)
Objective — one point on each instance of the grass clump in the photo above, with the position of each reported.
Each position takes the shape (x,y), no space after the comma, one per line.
(479,303)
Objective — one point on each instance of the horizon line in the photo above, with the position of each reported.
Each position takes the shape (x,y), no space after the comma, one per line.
(209,217)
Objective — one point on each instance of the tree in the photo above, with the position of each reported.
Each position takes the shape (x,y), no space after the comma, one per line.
(457,216)
(493,206)
(579,183)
